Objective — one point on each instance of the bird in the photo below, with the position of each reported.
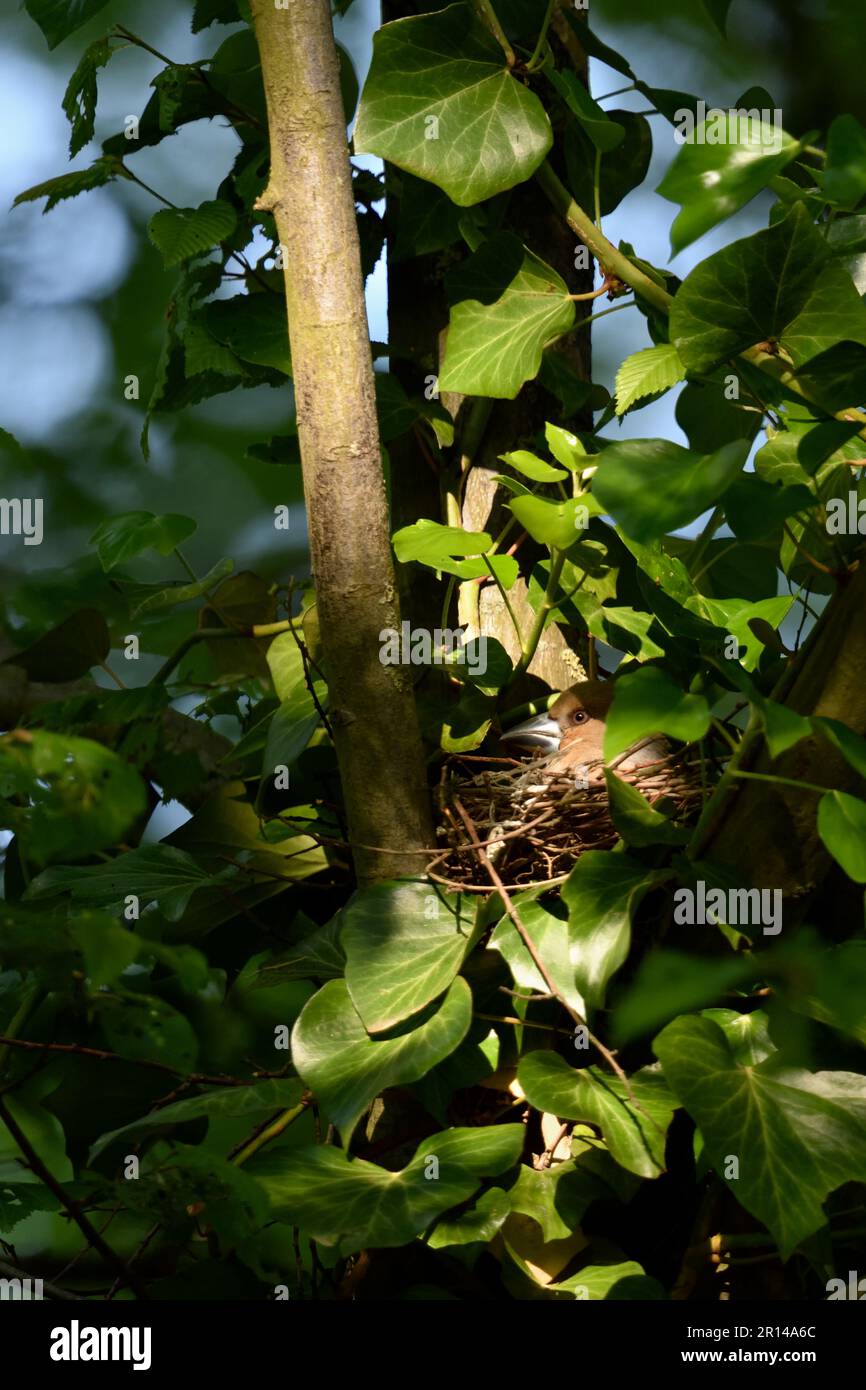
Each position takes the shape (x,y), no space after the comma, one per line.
(571,735)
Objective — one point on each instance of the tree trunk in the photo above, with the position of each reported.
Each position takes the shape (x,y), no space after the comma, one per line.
(310,193)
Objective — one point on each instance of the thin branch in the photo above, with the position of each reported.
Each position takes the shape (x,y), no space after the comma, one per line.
(70,1205)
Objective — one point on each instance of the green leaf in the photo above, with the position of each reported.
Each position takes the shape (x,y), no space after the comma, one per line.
(635,1138)
(344,1201)
(207,12)
(713,180)
(122,537)
(477,1224)
(842,827)
(557,1197)
(182,232)
(533,467)
(347,1069)
(228,1102)
(566,448)
(651,486)
(440,102)
(646,373)
(435,545)
(79,101)
(77,796)
(777,284)
(845,173)
(556,524)
(550,937)
(499,328)
(635,819)
(102,171)
(316,956)
(783,727)
(404,944)
(614,1278)
(254,326)
(755,507)
(153,873)
(798,1135)
(601,894)
(147,598)
(669,982)
(604,133)
(718,12)
(620,172)
(844,740)
(67,651)
(59,18)
(649,702)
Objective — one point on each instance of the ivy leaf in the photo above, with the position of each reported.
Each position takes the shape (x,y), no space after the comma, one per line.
(636,821)
(646,373)
(550,937)
(102,171)
(714,180)
(345,1201)
(122,537)
(182,232)
(649,702)
(622,171)
(670,982)
(230,1102)
(347,1069)
(79,101)
(798,1135)
(776,284)
(498,332)
(604,133)
(611,1278)
(845,174)
(651,486)
(635,1138)
(566,448)
(67,651)
(842,827)
(404,944)
(59,18)
(601,893)
(76,796)
(755,507)
(440,102)
(157,874)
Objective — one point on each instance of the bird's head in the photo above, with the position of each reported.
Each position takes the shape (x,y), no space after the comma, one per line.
(574,723)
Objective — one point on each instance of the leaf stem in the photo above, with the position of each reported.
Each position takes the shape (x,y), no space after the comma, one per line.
(486,13)
(557,560)
(612,261)
(782,781)
(534,61)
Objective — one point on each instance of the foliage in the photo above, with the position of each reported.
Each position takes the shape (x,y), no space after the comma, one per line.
(303,1069)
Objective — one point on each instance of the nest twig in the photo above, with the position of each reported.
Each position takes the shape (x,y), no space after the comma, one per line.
(534,827)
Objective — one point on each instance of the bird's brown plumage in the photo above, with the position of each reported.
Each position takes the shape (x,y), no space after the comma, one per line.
(572,732)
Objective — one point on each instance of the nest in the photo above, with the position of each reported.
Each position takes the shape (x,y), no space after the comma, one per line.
(534,828)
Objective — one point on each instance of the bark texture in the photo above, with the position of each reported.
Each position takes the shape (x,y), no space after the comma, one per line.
(310,193)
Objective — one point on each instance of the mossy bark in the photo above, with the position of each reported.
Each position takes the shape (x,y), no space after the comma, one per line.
(310,194)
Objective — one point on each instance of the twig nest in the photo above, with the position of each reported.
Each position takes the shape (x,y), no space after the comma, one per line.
(535,827)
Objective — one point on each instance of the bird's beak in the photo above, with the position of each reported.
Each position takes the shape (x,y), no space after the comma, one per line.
(539,732)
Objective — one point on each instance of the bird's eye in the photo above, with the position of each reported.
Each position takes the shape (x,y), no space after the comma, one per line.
(580,716)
